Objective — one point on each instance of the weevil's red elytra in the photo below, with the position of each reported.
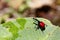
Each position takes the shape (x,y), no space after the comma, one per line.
(42,24)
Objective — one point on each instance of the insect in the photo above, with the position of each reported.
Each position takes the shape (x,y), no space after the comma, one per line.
(40,24)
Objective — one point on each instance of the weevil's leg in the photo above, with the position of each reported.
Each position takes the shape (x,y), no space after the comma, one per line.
(37,27)
(35,23)
(46,25)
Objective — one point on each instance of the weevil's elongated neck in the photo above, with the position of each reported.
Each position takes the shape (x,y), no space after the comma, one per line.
(36,19)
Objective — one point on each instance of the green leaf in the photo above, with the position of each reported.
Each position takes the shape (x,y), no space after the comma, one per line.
(55,35)
(5,34)
(22,22)
(12,28)
(24,29)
